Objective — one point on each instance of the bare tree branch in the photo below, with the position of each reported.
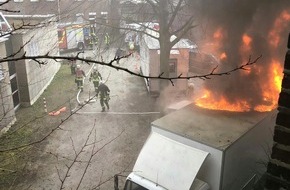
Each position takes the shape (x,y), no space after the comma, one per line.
(93,153)
(7,10)
(110,64)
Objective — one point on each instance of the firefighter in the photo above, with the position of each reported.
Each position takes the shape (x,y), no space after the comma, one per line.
(107,40)
(131,47)
(80,75)
(94,39)
(95,77)
(104,94)
(118,54)
(73,64)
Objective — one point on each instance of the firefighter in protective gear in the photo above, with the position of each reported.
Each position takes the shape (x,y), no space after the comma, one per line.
(131,47)
(94,39)
(73,64)
(107,40)
(95,77)
(104,94)
(80,75)
(118,54)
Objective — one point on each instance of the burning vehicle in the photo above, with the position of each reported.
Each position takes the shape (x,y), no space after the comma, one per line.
(222,140)
(200,149)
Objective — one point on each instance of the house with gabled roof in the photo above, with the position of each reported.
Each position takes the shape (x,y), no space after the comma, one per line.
(178,62)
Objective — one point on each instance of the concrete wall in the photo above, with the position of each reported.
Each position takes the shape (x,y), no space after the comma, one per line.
(154,70)
(34,78)
(21,72)
(144,60)
(7,114)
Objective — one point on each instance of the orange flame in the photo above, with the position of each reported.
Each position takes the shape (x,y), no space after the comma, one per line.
(246,40)
(270,82)
(208,101)
(246,49)
(218,34)
(223,55)
(271,95)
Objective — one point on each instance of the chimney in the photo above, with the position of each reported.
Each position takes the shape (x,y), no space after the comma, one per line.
(278,169)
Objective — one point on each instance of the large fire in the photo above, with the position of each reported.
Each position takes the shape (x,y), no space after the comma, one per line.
(270,84)
(210,100)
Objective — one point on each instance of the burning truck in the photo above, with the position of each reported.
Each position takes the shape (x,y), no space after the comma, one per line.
(223,140)
(200,149)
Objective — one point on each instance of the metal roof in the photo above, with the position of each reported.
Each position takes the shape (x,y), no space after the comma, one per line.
(153,43)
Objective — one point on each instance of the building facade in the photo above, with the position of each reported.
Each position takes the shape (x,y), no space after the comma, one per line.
(64,10)
(24,80)
(33,78)
(7,112)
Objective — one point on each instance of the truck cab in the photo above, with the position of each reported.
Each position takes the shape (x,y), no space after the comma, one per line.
(166,164)
(135,182)
(198,149)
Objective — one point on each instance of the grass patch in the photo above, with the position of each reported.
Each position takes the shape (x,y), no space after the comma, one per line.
(31,125)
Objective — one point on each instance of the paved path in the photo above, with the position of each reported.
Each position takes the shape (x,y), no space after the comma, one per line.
(131,112)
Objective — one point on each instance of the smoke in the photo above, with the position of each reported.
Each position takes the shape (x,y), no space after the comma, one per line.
(257,19)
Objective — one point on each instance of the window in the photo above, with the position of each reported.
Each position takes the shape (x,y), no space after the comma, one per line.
(130,185)
(172,65)
(15,97)
(4,25)
(13,83)
(12,68)
(33,49)
(250,183)
(34,0)
(1,72)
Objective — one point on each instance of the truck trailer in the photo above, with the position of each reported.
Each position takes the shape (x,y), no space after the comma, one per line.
(199,149)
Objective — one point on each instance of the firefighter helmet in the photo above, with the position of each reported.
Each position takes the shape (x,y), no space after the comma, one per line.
(78,66)
(95,68)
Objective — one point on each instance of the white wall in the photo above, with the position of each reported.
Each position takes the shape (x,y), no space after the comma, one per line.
(7,114)
(249,154)
(41,41)
(144,60)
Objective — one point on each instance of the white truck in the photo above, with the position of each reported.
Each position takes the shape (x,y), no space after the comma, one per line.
(197,149)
